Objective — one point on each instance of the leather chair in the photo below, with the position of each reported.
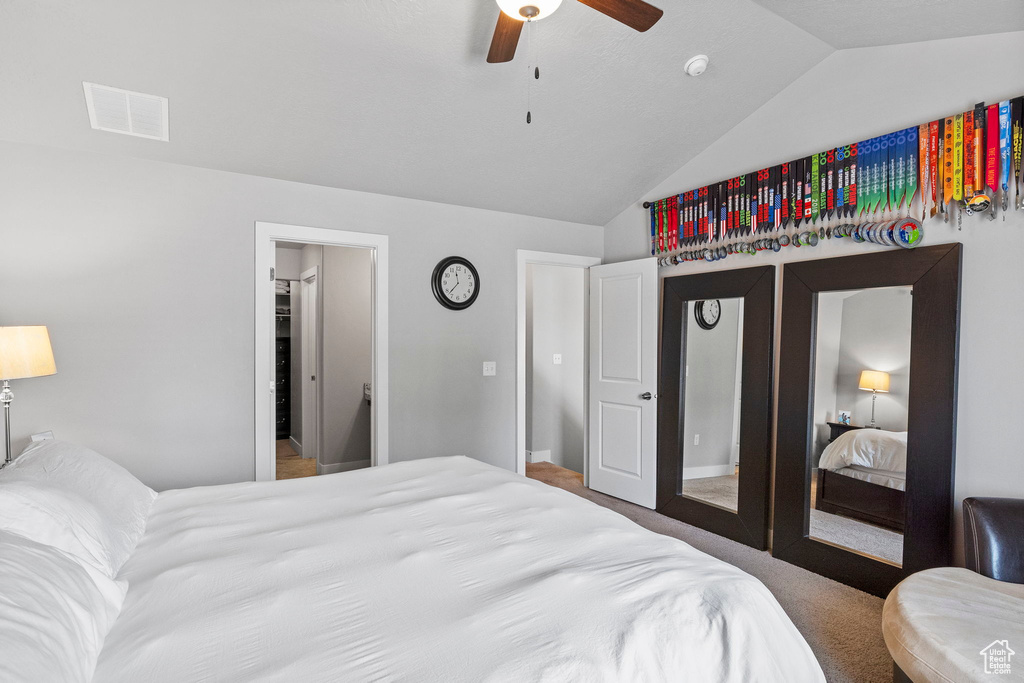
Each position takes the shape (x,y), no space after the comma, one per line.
(994,537)
(933,620)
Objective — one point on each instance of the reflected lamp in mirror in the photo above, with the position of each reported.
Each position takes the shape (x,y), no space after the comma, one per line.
(24,352)
(876,382)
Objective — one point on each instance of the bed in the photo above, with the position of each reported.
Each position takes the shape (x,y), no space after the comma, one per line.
(863,474)
(442,569)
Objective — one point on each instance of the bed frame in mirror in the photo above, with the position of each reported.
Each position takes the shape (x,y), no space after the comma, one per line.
(934,273)
(756,286)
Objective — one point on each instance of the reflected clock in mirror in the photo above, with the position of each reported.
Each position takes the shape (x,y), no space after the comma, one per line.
(859,469)
(713,352)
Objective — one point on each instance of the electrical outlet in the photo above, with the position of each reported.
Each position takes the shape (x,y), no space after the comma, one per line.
(490,368)
(42,436)
(558,359)
(696,439)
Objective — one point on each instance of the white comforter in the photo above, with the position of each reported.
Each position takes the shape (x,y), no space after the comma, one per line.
(434,570)
(874,449)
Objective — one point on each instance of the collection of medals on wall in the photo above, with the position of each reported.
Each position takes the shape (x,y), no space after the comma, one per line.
(967,164)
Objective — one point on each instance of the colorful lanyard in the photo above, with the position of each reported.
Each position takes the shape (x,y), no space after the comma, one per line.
(853,199)
(1017,125)
(933,164)
(815,186)
(947,164)
(1004,150)
(958,157)
(969,170)
(992,149)
(784,203)
(910,167)
(808,194)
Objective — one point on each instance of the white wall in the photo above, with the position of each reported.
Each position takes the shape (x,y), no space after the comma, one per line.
(710,399)
(144,273)
(826,365)
(288,263)
(347,320)
(555,393)
(876,336)
(856,94)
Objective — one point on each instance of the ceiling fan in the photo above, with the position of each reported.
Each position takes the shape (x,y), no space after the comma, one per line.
(636,14)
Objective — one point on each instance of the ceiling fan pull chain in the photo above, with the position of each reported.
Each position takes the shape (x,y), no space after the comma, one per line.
(529,55)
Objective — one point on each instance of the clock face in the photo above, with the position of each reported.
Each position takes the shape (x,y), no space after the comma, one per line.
(455,283)
(707,313)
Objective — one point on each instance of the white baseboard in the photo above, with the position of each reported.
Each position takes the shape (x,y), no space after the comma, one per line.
(707,471)
(538,456)
(296,446)
(342,466)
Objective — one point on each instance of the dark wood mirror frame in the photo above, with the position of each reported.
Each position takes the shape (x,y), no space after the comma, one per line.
(934,274)
(749,524)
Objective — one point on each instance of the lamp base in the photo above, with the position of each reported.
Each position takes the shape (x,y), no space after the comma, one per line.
(874,395)
(6,396)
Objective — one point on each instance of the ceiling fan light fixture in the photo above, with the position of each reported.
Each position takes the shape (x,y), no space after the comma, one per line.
(523,10)
(695,66)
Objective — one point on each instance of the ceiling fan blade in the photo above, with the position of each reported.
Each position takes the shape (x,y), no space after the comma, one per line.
(635,14)
(505,40)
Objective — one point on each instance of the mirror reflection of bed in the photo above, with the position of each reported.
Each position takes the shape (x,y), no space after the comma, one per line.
(861,380)
(711,415)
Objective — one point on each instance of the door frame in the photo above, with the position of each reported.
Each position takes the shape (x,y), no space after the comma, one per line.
(312,311)
(267,234)
(524,258)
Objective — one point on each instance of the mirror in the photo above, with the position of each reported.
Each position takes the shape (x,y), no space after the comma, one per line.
(861,394)
(712,376)
(715,401)
(867,338)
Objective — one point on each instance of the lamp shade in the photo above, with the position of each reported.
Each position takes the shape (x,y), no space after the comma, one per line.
(874,380)
(25,352)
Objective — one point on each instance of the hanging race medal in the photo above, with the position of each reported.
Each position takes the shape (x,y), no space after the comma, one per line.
(924,166)
(947,162)
(1004,151)
(830,177)
(894,154)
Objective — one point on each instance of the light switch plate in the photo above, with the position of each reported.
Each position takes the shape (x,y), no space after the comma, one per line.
(696,439)
(490,368)
(558,359)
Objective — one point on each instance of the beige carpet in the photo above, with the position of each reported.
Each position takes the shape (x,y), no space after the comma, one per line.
(835,529)
(291,465)
(841,624)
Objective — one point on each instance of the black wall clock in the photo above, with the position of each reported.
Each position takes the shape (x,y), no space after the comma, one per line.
(707,313)
(455,283)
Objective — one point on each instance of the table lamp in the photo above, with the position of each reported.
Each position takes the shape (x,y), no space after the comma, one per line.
(876,382)
(24,352)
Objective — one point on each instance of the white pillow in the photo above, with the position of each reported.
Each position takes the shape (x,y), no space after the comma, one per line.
(56,612)
(70,497)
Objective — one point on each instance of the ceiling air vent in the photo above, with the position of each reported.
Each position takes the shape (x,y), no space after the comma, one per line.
(122,111)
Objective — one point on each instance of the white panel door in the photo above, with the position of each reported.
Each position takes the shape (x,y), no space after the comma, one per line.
(624,380)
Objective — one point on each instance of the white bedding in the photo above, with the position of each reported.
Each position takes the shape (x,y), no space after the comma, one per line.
(874,449)
(892,480)
(433,570)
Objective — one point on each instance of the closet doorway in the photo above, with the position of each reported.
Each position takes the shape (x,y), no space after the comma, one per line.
(552,365)
(321,348)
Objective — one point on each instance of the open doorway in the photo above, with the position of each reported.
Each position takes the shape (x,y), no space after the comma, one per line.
(323,365)
(325,318)
(552,365)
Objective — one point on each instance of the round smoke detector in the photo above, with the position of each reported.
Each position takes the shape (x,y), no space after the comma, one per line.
(695,66)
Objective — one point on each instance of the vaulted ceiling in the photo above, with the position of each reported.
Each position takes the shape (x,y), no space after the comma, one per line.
(395,96)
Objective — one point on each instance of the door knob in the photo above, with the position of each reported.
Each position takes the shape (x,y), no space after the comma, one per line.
(647,396)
